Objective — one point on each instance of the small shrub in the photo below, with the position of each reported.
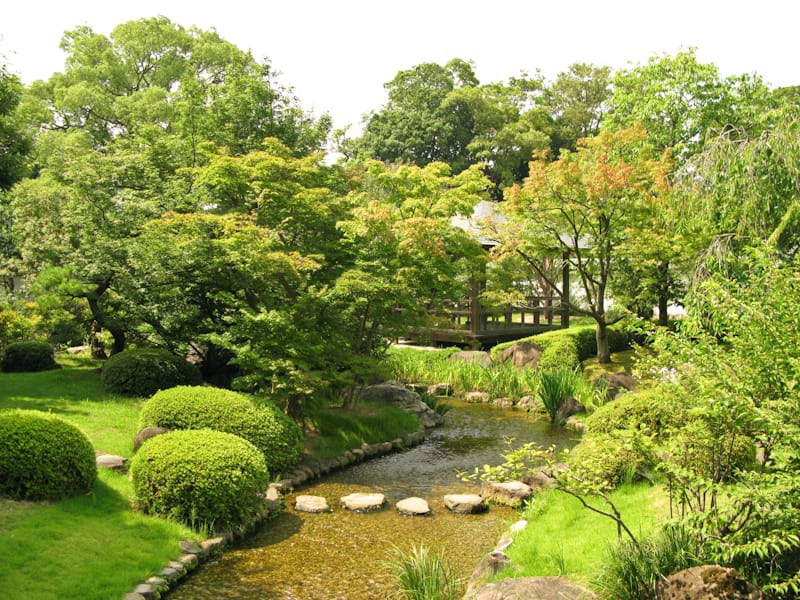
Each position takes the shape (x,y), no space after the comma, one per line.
(144,371)
(560,353)
(609,459)
(632,572)
(196,407)
(206,479)
(43,457)
(29,356)
(424,575)
(655,411)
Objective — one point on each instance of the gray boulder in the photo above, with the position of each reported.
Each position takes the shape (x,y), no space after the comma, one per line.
(145,434)
(510,493)
(707,582)
(464,504)
(408,400)
(484,359)
(523,354)
(440,389)
(617,383)
(568,408)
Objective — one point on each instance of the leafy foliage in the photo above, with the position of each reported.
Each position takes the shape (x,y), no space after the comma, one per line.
(43,457)
(144,371)
(555,386)
(205,479)
(28,356)
(608,459)
(196,407)
(655,411)
(423,574)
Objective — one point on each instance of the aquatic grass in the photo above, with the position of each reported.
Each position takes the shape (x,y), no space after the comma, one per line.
(555,386)
(423,574)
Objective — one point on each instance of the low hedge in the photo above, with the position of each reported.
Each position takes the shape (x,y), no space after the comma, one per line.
(570,347)
(43,457)
(609,459)
(655,411)
(144,371)
(206,479)
(28,356)
(195,407)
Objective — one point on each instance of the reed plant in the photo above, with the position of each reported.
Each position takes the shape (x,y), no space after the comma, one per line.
(423,574)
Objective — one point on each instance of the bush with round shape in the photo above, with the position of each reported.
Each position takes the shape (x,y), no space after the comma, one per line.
(655,411)
(29,356)
(197,407)
(609,459)
(144,371)
(206,479)
(43,457)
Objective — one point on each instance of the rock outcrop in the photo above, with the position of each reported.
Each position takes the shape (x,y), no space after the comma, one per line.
(523,354)
(396,393)
(707,582)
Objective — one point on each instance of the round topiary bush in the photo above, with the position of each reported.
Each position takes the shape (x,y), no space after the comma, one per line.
(201,478)
(609,459)
(43,457)
(29,356)
(144,371)
(655,411)
(195,407)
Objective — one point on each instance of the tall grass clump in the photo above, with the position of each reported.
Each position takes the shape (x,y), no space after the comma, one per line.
(422,574)
(633,571)
(556,385)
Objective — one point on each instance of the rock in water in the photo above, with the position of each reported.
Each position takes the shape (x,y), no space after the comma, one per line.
(707,582)
(510,493)
(311,504)
(464,504)
(569,407)
(413,507)
(363,502)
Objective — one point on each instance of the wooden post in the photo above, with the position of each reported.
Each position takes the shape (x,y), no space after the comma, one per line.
(565,291)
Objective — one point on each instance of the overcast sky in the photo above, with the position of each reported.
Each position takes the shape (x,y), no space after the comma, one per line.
(337,55)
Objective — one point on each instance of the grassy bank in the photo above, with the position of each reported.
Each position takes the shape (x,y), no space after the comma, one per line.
(564,538)
(338,430)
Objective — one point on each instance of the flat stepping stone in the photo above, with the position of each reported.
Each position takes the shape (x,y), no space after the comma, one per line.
(311,504)
(464,504)
(413,507)
(510,493)
(363,502)
(111,461)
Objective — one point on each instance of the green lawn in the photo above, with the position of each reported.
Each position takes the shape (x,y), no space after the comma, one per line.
(564,538)
(620,362)
(76,393)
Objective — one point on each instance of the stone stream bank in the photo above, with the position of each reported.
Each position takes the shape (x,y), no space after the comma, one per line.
(337,553)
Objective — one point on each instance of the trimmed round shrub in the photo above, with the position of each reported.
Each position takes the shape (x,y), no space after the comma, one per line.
(196,407)
(29,356)
(202,478)
(608,459)
(559,352)
(144,371)
(43,457)
(655,411)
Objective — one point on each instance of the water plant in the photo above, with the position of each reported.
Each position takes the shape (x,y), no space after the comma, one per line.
(555,386)
(424,574)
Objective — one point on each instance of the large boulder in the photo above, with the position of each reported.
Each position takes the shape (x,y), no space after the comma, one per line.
(396,393)
(707,582)
(568,408)
(483,359)
(531,588)
(523,354)
(617,383)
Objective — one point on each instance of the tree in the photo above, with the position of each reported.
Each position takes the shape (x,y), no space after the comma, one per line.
(586,206)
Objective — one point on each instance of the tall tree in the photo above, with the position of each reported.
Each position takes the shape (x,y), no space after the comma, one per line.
(585,206)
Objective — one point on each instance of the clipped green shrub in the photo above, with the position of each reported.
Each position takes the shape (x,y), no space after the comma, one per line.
(43,457)
(560,352)
(28,356)
(609,459)
(711,454)
(196,407)
(655,411)
(206,479)
(144,371)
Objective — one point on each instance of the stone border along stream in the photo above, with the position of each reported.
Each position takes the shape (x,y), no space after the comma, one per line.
(194,554)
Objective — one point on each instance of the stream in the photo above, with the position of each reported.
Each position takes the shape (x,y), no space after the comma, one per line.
(342,555)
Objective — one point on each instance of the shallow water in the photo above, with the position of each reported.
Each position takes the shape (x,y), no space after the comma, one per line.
(341,555)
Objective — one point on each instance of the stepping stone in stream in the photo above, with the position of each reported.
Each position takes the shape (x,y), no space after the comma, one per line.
(464,504)
(311,504)
(363,502)
(510,493)
(413,507)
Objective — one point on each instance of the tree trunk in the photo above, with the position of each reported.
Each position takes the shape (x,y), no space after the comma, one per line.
(663,303)
(603,352)
(98,350)
(103,321)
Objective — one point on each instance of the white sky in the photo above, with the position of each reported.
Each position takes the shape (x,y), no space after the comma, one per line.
(337,55)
